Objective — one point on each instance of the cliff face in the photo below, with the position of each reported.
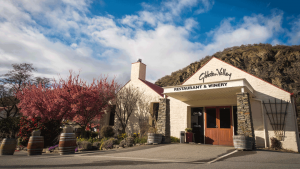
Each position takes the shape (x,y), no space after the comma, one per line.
(279,65)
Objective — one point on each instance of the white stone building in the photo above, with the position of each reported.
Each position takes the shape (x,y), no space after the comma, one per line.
(219,101)
(151,92)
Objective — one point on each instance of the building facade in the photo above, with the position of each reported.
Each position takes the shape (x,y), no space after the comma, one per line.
(219,101)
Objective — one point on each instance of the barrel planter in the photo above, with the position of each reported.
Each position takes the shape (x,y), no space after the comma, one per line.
(8,146)
(35,145)
(154,138)
(67,143)
(242,142)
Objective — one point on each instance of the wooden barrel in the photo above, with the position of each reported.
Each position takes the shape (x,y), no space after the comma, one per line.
(158,138)
(242,142)
(154,138)
(35,145)
(67,143)
(8,146)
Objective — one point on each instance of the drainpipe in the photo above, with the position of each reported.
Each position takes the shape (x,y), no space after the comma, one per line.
(265,125)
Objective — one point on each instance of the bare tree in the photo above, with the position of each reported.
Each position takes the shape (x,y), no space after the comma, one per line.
(145,113)
(126,101)
(15,79)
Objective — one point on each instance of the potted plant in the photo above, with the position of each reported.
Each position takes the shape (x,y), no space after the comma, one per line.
(36,143)
(243,141)
(153,137)
(189,135)
(8,144)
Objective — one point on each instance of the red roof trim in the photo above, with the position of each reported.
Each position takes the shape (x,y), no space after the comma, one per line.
(239,69)
(139,62)
(154,87)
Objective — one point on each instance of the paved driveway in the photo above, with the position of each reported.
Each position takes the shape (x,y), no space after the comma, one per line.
(157,156)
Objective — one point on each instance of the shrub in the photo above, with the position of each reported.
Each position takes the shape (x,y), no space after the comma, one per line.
(97,144)
(122,143)
(86,145)
(276,144)
(188,130)
(129,141)
(140,140)
(174,139)
(107,131)
(122,136)
(94,134)
(144,139)
(9,127)
(49,129)
(152,130)
(108,144)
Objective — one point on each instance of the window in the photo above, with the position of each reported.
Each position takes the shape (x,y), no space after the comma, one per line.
(211,118)
(112,115)
(155,109)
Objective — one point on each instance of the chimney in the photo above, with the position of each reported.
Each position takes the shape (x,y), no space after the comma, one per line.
(138,70)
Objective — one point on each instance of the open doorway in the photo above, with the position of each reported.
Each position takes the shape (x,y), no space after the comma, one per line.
(197,124)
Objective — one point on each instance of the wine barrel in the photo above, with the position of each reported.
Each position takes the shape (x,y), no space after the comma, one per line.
(67,143)
(35,145)
(8,146)
(154,138)
(242,142)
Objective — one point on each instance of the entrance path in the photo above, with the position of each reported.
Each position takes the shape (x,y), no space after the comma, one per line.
(173,156)
(171,153)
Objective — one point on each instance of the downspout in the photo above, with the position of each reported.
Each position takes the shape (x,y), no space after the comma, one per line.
(296,125)
(265,124)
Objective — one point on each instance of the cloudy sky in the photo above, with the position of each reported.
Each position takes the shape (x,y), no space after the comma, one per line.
(106,36)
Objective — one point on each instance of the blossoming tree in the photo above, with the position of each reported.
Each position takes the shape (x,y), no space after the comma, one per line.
(72,99)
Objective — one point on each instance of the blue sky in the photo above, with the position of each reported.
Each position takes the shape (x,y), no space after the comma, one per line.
(106,36)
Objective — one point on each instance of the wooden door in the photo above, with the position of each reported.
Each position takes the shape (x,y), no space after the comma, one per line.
(211,128)
(218,128)
(225,126)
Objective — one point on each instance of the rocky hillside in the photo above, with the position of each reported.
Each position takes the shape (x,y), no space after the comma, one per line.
(279,65)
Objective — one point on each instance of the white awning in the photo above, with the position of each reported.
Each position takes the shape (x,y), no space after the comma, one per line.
(207,91)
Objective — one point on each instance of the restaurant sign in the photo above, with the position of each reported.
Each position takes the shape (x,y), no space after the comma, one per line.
(199,87)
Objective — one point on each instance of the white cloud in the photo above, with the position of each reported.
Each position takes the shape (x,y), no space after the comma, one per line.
(207,5)
(254,29)
(110,45)
(294,34)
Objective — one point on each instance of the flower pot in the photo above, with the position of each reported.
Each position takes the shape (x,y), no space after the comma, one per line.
(189,137)
(8,146)
(67,143)
(242,142)
(154,138)
(35,145)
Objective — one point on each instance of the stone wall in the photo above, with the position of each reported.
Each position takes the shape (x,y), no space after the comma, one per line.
(163,120)
(245,121)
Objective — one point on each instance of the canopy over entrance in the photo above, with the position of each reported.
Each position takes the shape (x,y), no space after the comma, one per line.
(209,91)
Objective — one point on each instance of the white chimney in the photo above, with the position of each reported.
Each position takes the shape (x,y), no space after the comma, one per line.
(138,70)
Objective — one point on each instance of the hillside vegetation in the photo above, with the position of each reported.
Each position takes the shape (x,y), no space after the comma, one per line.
(279,65)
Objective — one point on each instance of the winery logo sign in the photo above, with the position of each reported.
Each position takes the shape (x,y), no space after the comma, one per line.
(221,72)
